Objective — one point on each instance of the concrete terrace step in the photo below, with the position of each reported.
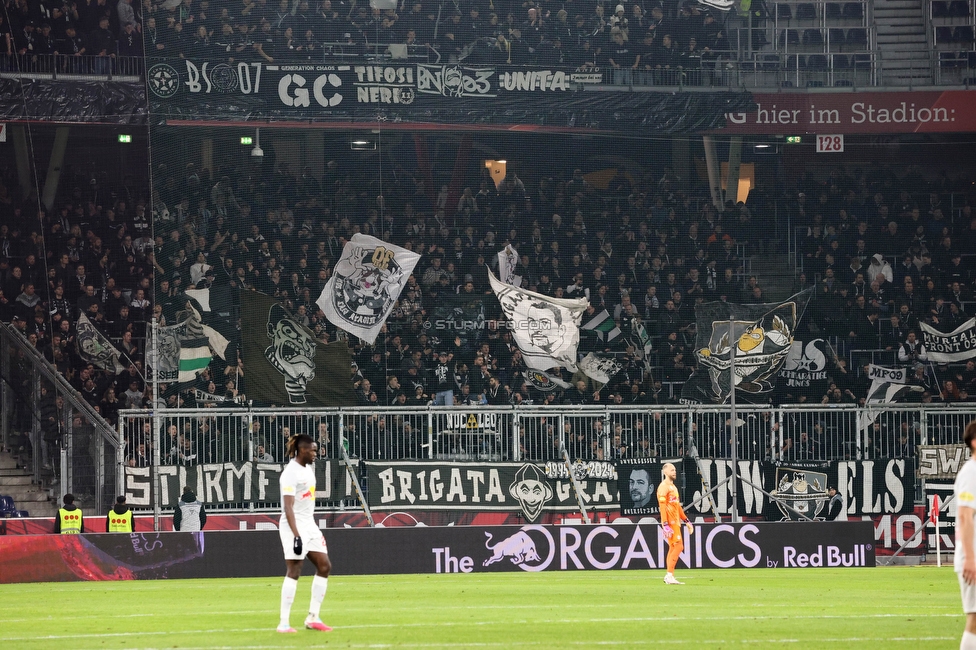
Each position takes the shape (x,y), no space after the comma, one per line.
(25,494)
(6,481)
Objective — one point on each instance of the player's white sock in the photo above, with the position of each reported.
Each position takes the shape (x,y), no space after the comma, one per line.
(319,586)
(669,575)
(288,589)
(968,641)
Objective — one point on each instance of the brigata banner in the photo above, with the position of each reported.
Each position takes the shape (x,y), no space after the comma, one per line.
(231,483)
(949,111)
(400,94)
(528,488)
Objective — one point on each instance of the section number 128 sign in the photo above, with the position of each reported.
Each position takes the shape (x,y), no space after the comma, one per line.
(830,143)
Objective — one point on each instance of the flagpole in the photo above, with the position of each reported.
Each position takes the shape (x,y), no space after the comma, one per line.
(155,422)
(733,343)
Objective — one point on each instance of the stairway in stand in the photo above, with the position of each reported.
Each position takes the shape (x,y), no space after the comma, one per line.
(16,482)
(775,274)
(903,43)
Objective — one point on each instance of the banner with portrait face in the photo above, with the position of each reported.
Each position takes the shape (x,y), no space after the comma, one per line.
(545,329)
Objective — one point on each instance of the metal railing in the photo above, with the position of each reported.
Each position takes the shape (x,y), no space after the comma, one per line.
(81,67)
(214,436)
(60,437)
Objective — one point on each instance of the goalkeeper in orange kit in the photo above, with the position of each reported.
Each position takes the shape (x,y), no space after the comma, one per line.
(672,518)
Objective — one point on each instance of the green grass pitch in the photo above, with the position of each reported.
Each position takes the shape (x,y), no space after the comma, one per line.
(910,607)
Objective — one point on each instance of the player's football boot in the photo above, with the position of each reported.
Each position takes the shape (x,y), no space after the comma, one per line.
(316,624)
(286,629)
(671,580)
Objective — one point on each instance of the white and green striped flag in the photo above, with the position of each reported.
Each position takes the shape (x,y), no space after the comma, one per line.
(195,356)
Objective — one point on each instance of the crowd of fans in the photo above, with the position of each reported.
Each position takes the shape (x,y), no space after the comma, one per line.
(883,250)
(652,38)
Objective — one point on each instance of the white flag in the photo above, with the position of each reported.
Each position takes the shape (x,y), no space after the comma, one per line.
(599,369)
(887,385)
(545,329)
(507,261)
(365,285)
(956,346)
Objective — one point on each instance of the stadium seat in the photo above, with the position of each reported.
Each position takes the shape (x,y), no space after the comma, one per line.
(787,84)
(853,10)
(813,38)
(816,62)
(759,38)
(835,38)
(861,61)
(958,9)
(963,34)
(789,37)
(793,62)
(949,60)
(940,9)
(7,507)
(843,83)
(770,62)
(943,34)
(857,37)
(832,10)
(806,11)
(815,83)
(784,12)
(841,62)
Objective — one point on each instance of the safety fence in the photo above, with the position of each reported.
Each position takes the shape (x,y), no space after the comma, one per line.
(183,439)
(60,439)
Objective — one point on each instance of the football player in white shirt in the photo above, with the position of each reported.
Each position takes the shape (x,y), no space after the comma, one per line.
(965,556)
(300,537)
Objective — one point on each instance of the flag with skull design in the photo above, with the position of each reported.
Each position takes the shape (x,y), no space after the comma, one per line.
(284,363)
(365,285)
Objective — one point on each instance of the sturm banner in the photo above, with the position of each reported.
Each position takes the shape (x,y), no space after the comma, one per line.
(528,488)
(230,483)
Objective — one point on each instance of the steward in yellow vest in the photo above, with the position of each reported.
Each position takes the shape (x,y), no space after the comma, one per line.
(119,518)
(70,520)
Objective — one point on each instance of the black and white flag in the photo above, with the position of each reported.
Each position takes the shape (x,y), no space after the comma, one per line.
(545,329)
(508,259)
(950,347)
(96,349)
(887,385)
(599,369)
(365,285)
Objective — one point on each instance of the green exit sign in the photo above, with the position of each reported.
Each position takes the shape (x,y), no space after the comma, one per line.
(125,139)
(793,139)
(246,139)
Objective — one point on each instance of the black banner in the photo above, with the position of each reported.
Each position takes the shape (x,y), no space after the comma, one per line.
(95,102)
(754,338)
(868,487)
(474,549)
(423,93)
(285,364)
(231,483)
(638,479)
(529,488)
